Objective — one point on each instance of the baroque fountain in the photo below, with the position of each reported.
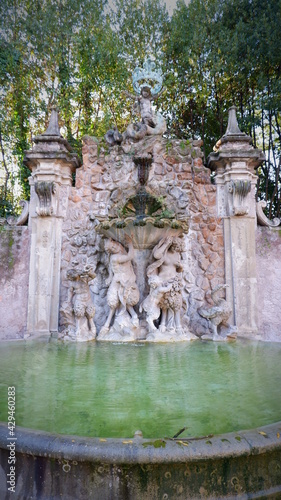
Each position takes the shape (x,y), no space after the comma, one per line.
(144,258)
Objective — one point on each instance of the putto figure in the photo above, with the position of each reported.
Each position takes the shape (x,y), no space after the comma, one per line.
(144,100)
(123,292)
(147,83)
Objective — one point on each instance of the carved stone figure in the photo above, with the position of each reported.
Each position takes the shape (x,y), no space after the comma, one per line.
(166,271)
(82,305)
(144,104)
(154,122)
(135,131)
(151,303)
(147,83)
(217,317)
(123,292)
(113,137)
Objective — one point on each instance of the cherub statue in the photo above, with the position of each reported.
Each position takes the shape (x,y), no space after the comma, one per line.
(83,307)
(144,104)
(123,292)
(147,83)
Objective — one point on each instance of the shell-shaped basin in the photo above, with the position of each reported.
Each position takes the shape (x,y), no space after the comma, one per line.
(145,233)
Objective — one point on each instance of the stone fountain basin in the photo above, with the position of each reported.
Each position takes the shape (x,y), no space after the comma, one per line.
(145,233)
(240,465)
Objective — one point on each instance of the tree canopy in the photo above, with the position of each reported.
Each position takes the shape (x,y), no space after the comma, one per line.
(80,54)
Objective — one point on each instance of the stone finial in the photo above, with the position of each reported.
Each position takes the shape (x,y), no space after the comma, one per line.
(52,134)
(232,126)
(53,127)
(51,145)
(233,132)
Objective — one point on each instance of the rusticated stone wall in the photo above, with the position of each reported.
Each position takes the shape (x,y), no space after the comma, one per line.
(14,276)
(177,177)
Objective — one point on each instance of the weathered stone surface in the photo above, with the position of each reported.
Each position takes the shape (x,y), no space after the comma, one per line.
(236,465)
(52,164)
(268,248)
(14,276)
(234,164)
(113,180)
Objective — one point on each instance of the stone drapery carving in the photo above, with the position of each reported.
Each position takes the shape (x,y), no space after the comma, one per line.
(81,305)
(123,293)
(45,191)
(217,317)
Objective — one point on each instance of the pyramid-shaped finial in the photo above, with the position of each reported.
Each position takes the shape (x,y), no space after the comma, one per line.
(232,126)
(51,135)
(53,127)
(233,132)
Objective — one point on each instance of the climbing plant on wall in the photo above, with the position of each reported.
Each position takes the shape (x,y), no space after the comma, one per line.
(80,54)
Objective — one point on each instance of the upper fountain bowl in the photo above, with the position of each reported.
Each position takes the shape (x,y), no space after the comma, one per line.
(145,233)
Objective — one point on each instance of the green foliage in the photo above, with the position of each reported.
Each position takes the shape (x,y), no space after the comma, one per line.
(223,53)
(81,55)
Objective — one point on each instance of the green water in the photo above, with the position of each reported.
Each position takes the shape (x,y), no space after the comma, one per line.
(112,390)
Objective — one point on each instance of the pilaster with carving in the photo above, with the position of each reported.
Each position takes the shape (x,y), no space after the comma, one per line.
(234,163)
(52,164)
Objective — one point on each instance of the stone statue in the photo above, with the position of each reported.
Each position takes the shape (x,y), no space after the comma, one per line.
(113,137)
(166,273)
(218,316)
(151,304)
(151,123)
(144,105)
(123,292)
(82,305)
(147,83)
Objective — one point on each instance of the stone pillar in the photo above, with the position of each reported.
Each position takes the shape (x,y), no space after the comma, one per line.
(234,163)
(52,165)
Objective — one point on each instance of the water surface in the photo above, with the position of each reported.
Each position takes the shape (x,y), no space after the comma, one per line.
(111,390)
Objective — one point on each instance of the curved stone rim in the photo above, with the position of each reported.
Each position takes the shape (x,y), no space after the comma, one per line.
(144,451)
(147,220)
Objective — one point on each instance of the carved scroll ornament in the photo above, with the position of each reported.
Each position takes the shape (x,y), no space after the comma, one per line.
(261,217)
(44,191)
(239,189)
